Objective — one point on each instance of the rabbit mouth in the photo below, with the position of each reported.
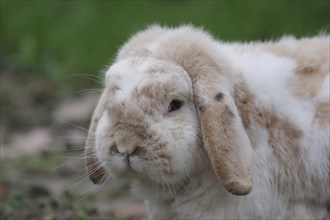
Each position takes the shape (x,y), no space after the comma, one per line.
(127,162)
(123,164)
(134,167)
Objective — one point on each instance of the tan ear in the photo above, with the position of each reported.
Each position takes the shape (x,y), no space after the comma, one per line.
(211,75)
(224,137)
(95,170)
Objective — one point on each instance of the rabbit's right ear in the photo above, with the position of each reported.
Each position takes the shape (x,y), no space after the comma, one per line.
(95,170)
(225,139)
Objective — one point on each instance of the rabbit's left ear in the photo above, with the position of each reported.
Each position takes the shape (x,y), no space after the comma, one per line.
(95,170)
(224,137)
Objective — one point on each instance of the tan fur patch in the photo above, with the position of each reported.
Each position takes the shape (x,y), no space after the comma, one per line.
(147,95)
(306,86)
(224,124)
(136,62)
(312,63)
(322,114)
(244,101)
(158,67)
(248,110)
(284,139)
(156,90)
(136,45)
(113,87)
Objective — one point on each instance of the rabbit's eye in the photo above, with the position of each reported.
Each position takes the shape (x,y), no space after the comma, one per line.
(174,105)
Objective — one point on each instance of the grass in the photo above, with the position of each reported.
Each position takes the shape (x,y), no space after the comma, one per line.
(43,163)
(24,199)
(26,204)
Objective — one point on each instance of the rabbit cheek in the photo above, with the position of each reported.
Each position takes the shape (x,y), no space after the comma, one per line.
(103,140)
(186,149)
(158,162)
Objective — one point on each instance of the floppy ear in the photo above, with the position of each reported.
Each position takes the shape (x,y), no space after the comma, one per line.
(224,137)
(95,170)
(211,74)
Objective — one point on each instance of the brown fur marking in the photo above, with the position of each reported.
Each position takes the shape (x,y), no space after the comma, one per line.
(312,64)
(322,114)
(283,140)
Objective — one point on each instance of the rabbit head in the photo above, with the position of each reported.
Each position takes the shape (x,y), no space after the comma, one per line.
(163,117)
(145,123)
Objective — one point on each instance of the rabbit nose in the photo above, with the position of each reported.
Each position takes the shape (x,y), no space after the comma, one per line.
(127,150)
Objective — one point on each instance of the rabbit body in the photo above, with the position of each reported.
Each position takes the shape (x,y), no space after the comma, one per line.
(274,98)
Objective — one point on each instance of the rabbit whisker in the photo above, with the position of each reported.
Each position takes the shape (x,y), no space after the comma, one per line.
(69,123)
(83,91)
(64,164)
(91,190)
(67,137)
(88,76)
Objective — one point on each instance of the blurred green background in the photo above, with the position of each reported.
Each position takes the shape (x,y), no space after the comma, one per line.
(52,51)
(54,39)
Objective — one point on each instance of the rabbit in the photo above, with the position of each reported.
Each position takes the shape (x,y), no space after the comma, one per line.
(206,129)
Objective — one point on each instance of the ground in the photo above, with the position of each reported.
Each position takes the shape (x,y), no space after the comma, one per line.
(42,163)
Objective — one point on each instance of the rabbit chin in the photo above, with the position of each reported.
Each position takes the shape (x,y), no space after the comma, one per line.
(145,175)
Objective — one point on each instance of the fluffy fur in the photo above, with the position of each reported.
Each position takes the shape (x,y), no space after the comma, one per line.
(251,139)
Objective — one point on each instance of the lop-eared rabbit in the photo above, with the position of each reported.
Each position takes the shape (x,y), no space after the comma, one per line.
(206,129)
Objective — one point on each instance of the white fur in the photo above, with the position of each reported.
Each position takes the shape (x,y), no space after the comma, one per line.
(267,76)
(324,94)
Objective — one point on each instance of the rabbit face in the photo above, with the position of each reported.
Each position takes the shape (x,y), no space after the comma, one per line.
(149,127)
(163,101)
